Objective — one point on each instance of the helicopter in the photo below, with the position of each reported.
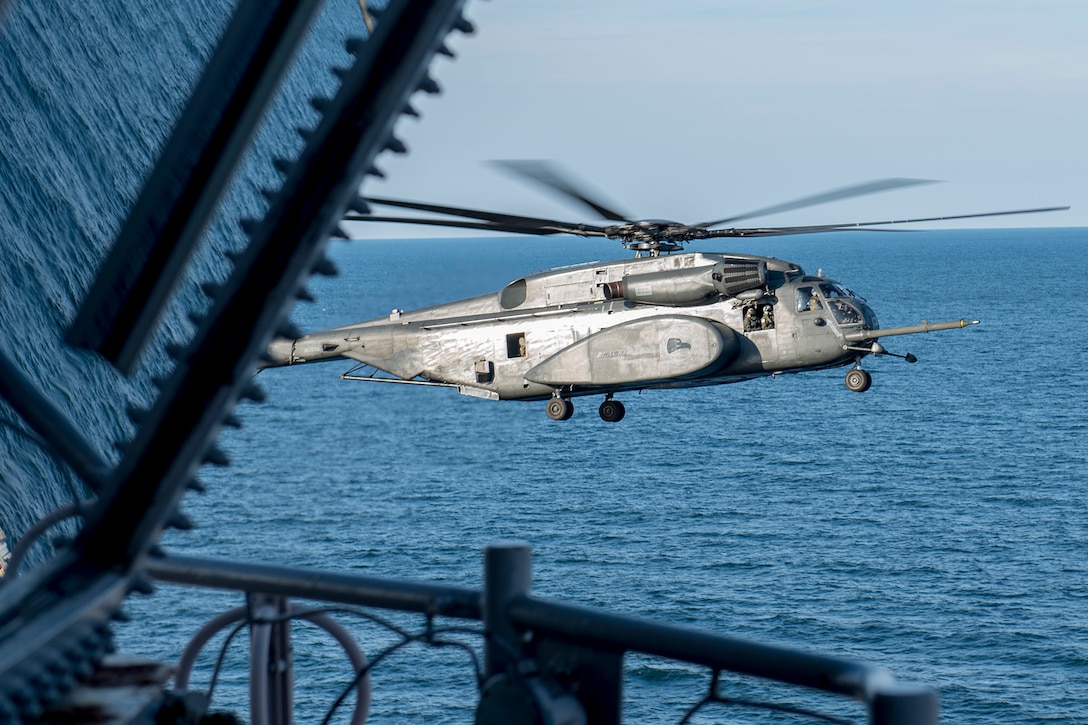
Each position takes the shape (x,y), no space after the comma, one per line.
(662,319)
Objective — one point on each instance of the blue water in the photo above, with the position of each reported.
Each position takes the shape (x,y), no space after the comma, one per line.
(935,525)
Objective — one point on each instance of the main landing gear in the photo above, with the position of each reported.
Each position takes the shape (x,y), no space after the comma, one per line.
(562,409)
(612,410)
(858,380)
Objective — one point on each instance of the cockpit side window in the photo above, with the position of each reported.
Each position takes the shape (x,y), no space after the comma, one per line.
(807,299)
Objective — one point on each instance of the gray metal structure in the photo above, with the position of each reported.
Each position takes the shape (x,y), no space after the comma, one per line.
(55,620)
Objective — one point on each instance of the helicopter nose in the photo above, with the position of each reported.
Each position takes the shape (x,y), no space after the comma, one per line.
(869,316)
(279,353)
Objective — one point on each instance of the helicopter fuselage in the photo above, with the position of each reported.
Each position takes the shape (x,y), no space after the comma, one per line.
(680,320)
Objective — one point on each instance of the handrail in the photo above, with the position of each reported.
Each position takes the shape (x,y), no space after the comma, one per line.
(327,586)
(596,628)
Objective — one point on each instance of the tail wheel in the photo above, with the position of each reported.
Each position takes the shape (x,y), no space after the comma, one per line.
(858,380)
(560,409)
(612,411)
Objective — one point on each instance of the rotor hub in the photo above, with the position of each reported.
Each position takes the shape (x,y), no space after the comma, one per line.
(654,235)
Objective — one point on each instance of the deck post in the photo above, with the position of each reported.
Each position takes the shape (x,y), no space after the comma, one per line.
(507,575)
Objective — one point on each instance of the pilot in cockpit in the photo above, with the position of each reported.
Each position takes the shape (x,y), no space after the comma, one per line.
(807,301)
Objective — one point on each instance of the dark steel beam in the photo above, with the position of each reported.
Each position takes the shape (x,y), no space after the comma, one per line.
(149,257)
(140,497)
(215,370)
(51,424)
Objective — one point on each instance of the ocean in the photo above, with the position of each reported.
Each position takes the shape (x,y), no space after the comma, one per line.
(935,525)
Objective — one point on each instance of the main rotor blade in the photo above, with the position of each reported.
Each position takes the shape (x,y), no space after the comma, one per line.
(869,187)
(524,223)
(549,176)
(773,231)
(453,223)
(538,230)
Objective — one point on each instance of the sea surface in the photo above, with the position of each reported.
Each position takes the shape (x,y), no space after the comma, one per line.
(936,525)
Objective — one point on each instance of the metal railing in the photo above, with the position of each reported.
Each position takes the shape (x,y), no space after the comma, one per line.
(561,662)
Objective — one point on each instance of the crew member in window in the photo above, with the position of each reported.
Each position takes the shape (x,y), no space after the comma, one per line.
(751,319)
(767,321)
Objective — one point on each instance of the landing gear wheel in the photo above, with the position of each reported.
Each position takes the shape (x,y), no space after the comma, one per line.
(858,380)
(560,409)
(612,411)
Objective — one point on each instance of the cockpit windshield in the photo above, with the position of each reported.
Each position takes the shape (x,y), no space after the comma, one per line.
(845,313)
(844,305)
(831,289)
(834,290)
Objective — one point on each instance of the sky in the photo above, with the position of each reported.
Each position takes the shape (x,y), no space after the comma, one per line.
(694,110)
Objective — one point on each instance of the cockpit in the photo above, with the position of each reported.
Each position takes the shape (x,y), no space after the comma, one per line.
(847,308)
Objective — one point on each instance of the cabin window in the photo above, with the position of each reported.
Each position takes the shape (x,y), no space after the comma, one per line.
(758,317)
(515,345)
(513,295)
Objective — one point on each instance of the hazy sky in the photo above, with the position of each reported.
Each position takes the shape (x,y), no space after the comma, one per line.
(698,109)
